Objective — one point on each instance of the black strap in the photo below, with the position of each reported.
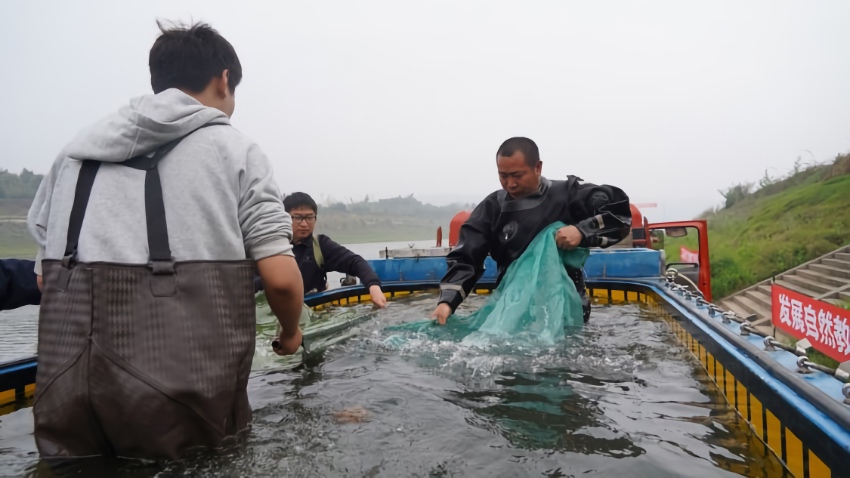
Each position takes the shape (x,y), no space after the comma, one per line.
(160,252)
(85,181)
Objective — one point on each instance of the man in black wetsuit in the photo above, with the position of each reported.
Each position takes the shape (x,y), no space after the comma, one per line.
(506,222)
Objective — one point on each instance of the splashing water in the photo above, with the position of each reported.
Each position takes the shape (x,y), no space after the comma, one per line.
(534,305)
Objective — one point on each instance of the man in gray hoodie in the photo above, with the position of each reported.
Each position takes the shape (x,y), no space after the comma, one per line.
(149,225)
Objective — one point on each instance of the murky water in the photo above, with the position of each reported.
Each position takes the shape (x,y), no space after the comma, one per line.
(618,398)
(18,333)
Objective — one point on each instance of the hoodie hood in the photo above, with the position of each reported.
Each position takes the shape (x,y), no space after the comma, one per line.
(144,125)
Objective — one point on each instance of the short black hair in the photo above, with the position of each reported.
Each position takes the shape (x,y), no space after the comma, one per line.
(524,145)
(189,58)
(295,200)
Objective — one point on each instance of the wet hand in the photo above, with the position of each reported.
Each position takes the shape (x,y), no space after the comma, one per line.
(441,313)
(287,344)
(378,296)
(568,237)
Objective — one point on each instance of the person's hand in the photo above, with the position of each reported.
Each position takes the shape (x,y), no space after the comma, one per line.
(40,281)
(441,313)
(568,237)
(287,344)
(378,296)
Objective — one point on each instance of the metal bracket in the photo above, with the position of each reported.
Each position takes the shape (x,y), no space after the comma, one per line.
(768,344)
(803,346)
(843,373)
(801,365)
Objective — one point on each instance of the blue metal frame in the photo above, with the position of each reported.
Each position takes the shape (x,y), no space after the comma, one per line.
(17,374)
(621,263)
(751,355)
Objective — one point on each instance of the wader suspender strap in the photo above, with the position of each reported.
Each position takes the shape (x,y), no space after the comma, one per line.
(317,253)
(161,262)
(85,181)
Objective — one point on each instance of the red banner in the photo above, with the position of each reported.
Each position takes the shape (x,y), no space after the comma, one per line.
(825,325)
(687,255)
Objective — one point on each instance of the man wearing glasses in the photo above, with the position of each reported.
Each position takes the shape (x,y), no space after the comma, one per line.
(318,254)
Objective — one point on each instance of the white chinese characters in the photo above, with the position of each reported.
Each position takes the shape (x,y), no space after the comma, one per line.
(811,322)
(797,315)
(784,309)
(842,335)
(825,327)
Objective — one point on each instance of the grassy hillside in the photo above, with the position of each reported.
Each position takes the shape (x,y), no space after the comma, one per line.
(782,225)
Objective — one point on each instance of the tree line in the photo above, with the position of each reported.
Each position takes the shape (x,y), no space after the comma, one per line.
(19,186)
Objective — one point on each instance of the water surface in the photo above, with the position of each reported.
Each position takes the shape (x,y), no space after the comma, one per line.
(620,397)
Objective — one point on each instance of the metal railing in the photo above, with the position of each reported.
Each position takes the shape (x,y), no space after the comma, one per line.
(800,349)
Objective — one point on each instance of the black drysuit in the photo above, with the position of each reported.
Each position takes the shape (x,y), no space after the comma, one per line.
(504,227)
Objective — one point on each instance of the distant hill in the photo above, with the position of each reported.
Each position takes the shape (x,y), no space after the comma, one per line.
(782,224)
(391,219)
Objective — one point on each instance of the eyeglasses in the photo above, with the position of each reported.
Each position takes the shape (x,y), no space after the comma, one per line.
(309,219)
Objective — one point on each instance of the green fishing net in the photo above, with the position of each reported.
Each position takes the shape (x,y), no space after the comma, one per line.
(535,301)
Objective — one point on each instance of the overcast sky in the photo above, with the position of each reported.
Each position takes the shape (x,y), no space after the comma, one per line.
(670,101)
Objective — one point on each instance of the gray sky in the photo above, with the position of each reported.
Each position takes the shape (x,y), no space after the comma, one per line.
(668,100)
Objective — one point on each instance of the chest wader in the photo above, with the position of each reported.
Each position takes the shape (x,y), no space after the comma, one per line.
(142,361)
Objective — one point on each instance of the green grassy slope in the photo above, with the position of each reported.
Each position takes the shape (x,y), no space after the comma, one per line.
(776,228)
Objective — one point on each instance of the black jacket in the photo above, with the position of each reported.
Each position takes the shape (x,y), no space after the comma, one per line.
(18,285)
(336,258)
(503,227)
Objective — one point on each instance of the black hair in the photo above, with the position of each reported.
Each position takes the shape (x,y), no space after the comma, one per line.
(524,145)
(295,200)
(189,58)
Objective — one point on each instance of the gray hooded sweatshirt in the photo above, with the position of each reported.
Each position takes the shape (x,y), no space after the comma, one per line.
(221,202)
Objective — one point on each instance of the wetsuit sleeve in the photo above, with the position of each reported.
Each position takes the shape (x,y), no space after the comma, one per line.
(340,259)
(18,286)
(601,213)
(466,261)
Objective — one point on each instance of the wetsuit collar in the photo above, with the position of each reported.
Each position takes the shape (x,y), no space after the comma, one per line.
(541,191)
(531,201)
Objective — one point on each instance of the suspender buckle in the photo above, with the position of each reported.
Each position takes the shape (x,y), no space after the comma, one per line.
(161,268)
(163,279)
(69,260)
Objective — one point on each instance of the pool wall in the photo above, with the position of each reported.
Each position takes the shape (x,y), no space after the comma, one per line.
(801,419)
